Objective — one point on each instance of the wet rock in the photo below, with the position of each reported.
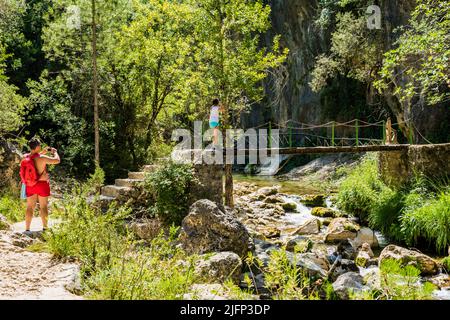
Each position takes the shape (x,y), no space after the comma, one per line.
(315,200)
(310,226)
(324,212)
(341,229)
(350,281)
(424,263)
(265,192)
(273,199)
(315,265)
(209,229)
(146,229)
(365,235)
(326,221)
(346,251)
(364,255)
(442,281)
(219,267)
(289,206)
(4,225)
(270,232)
(372,278)
(344,266)
(299,244)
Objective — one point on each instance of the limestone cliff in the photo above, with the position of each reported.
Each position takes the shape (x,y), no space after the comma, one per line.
(288,93)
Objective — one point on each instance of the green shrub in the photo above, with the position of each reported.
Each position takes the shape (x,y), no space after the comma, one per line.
(170,187)
(397,283)
(428,219)
(151,272)
(358,192)
(403,283)
(86,233)
(12,208)
(385,213)
(284,279)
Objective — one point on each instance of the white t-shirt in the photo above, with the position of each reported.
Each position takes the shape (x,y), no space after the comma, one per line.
(214,115)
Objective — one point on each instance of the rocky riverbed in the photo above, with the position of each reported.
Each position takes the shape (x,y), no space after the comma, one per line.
(325,241)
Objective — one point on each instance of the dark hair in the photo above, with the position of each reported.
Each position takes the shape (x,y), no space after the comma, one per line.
(34,143)
(215,102)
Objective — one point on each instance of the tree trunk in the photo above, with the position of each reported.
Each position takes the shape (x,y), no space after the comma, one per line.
(95,86)
(229,201)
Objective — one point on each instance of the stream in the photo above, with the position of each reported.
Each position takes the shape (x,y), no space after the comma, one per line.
(292,192)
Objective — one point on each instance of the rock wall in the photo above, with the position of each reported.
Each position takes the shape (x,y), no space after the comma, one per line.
(210,184)
(397,167)
(288,95)
(9,166)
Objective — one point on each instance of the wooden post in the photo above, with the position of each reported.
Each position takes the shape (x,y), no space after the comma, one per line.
(332,134)
(389,131)
(384,132)
(357,132)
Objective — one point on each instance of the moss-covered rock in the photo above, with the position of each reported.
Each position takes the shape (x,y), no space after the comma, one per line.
(289,206)
(313,200)
(324,212)
(299,244)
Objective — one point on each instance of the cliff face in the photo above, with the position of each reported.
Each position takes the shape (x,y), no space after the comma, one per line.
(288,95)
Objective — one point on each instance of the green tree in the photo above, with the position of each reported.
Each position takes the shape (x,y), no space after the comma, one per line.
(419,67)
(231,63)
(152,64)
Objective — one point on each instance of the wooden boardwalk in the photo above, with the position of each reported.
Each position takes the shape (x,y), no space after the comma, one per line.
(322,150)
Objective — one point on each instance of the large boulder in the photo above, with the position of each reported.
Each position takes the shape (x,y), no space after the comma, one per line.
(424,263)
(219,267)
(365,235)
(346,283)
(146,229)
(341,229)
(209,229)
(315,265)
(310,226)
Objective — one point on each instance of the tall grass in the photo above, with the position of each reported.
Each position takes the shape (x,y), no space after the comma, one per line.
(158,271)
(430,220)
(416,212)
(12,208)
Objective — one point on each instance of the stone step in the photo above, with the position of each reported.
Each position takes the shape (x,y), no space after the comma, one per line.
(150,168)
(114,191)
(128,182)
(136,175)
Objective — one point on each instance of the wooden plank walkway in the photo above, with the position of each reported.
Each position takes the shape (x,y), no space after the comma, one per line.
(321,150)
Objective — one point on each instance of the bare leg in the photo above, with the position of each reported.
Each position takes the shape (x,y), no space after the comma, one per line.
(43,205)
(216,136)
(31,204)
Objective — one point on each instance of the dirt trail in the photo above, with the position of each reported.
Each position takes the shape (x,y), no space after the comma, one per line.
(30,275)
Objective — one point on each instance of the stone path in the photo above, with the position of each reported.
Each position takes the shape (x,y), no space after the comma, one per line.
(26,275)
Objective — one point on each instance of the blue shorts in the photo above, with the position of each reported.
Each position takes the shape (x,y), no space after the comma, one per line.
(213,124)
